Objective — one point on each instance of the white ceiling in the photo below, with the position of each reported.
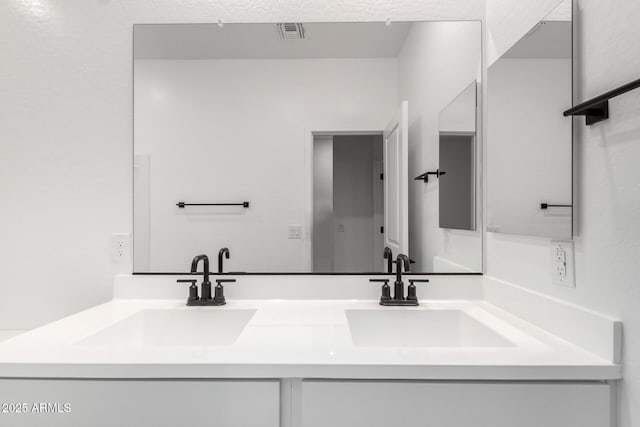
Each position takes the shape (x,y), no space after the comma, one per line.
(261,41)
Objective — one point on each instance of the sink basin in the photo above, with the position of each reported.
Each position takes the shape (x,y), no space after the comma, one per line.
(174,327)
(420,328)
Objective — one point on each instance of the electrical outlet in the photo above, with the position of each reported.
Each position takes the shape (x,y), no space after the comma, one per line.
(120,247)
(562,264)
(294,231)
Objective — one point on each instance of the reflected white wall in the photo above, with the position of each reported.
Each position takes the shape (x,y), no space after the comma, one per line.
(437,62)
(529,149)
(236,130)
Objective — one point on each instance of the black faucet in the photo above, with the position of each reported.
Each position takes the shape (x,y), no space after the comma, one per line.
(223,252)
(398,287)
(388,255)
(205,288)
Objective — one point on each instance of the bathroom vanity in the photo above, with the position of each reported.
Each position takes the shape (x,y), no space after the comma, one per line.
(310,156)
(320,351)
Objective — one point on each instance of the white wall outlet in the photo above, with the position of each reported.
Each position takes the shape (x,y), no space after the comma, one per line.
(121,247)
(294,231)
(562,264)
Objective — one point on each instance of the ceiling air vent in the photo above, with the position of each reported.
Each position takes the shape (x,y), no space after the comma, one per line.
(291,31)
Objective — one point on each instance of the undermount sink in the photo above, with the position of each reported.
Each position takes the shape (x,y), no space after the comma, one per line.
(174,327)
(420,328)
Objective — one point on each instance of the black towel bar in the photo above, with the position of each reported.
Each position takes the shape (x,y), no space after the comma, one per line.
(597,109)
(181,205)
(544,206)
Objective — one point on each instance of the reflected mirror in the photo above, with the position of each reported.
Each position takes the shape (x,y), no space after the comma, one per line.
(457,155)
(529,148)
(298,146)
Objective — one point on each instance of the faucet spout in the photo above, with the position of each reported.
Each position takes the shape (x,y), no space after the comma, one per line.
(224,252)
(406,262)
(196,261)
(388,255)
(402,261)
(206,284)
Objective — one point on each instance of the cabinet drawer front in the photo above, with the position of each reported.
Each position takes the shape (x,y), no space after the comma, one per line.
(456,404)
(157,403)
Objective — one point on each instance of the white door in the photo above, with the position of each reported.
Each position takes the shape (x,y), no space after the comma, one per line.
(396,182)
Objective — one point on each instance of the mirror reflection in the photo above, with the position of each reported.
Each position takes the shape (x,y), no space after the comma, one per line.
(457,161)
(529,147)
(297,146)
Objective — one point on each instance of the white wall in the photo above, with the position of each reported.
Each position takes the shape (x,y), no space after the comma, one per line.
(239,129)
(608,201)
(437,62)
(529,147)
(461,114)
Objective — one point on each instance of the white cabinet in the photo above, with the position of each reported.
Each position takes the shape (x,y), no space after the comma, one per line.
(306,403)
(139,403)
(455,404)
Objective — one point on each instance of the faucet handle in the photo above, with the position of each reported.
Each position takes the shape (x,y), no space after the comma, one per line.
(193,289)
(411,290)
(192,281)
(218,297)
(386,289)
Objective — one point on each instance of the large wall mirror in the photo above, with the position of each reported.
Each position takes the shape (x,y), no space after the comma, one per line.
(307,147)
(529,142)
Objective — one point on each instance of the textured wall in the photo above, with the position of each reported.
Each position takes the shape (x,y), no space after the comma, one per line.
(608,200)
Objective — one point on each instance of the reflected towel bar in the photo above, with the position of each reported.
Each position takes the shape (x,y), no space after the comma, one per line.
(181,205)
(425,176)
(597,109)
(544,206)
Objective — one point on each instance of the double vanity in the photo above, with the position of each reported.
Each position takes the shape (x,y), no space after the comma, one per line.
(324,151)
(317,351)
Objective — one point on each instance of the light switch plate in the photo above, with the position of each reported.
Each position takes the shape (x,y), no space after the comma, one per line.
(294,231)
(562,264)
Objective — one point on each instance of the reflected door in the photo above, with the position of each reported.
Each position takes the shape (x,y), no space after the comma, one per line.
(396,182)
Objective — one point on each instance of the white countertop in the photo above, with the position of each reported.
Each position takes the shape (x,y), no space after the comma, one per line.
(301,339)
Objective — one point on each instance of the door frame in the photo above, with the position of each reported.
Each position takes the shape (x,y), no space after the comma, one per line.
(378,189)
(310,133)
